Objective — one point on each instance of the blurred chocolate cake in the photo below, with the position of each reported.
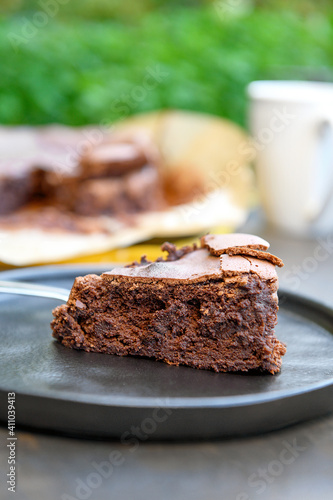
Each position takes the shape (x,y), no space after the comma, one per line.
(77,172)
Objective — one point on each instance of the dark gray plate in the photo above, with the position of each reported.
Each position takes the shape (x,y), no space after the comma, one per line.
(90,394)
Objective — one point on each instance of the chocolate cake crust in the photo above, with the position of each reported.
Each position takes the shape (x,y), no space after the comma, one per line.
(222,243)
(201,310)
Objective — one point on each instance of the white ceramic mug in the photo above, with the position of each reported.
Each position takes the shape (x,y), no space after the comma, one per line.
(291,123)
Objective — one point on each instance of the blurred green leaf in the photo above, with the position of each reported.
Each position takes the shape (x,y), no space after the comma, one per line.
(77,71)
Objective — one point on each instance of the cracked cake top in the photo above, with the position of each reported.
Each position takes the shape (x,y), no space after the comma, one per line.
(219,256)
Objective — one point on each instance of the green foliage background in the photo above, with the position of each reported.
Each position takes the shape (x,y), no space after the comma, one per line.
(86,63)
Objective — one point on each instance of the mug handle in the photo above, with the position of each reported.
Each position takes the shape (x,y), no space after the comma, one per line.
(322,171)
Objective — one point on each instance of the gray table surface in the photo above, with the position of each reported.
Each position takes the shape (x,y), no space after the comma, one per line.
(294,463)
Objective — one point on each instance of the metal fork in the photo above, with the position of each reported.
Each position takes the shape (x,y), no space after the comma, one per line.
(19,288)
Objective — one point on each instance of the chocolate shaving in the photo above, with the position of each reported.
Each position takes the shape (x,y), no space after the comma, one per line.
(174,253)
(142,262)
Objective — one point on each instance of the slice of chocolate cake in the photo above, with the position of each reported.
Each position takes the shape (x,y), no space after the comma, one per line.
(202,307)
